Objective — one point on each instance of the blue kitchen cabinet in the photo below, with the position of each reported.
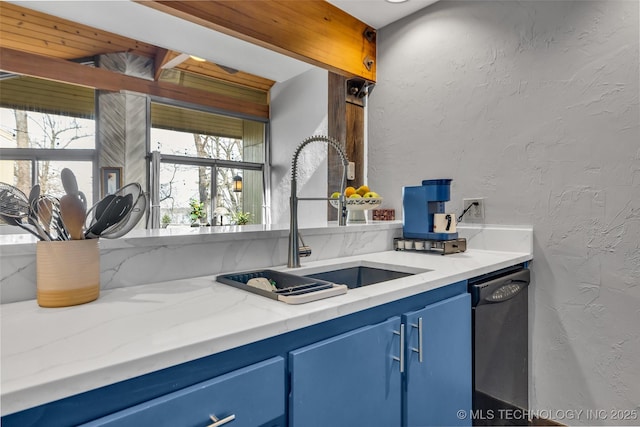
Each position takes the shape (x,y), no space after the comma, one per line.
(361,378)
(349,380)
(437,389)
(248,397)
(345,371)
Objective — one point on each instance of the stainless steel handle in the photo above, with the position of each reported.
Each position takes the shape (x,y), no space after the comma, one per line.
(303,250)
(401,358)
(419,349)
(217,422)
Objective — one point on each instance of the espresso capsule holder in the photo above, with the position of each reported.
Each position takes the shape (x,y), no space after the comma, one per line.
(444,247)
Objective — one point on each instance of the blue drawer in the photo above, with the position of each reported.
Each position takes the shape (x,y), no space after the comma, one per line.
(249,397)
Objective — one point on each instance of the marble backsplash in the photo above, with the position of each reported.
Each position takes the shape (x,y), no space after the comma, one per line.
(149,256)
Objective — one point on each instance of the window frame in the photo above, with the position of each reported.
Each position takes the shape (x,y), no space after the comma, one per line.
(35,155)
(154,158)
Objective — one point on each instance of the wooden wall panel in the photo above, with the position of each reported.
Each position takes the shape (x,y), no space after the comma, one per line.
(338,130)
(27,93)
(346,124)
(196,81)
(180,119)
(355,140)
(31,31)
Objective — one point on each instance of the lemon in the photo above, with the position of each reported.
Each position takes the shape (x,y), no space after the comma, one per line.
(371,195)
(362,190)
(355,196)
(335,195)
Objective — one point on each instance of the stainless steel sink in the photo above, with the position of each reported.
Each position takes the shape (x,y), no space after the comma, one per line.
(360,274)
(356,277)
(298,286)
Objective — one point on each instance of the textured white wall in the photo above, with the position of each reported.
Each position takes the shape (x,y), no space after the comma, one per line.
(533,105)
(299,109)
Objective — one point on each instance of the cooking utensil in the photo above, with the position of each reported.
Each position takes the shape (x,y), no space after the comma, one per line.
(44,211)
(83,198)
(34,194)
(72,214)
(69,181)
(14,207)
(115,211)
(111,221)
(12,220)
(13,202)
(127,223)
(72,208)
(50,217)
(96,211)
(32,217)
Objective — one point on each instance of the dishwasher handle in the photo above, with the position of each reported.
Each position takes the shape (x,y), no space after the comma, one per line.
(502,288)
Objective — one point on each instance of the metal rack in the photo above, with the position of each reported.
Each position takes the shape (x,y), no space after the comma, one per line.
(445,247)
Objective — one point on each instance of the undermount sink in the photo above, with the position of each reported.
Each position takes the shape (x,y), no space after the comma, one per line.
(361,274)
(356,277)
(303,285)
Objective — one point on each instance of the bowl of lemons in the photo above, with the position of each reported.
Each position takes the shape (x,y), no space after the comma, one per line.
(358,200)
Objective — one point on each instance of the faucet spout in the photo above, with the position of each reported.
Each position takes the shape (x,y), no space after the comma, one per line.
(295,250)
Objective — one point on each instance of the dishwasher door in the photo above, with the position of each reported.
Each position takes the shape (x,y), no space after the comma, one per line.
(500,341)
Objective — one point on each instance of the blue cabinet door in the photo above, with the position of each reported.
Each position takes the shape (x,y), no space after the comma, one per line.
(438,389)
(249,397)
(349,380)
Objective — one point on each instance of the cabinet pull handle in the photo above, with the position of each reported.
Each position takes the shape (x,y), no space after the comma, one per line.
(419,349)
(217,422)
(401,358)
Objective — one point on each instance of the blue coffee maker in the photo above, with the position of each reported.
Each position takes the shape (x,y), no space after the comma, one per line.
(419,204)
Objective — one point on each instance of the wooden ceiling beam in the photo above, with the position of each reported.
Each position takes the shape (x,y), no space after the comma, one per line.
(313,31)
(162,57)
(55,69)
(30,31)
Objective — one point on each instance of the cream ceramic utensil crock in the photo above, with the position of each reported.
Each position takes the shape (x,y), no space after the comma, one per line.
(67,272)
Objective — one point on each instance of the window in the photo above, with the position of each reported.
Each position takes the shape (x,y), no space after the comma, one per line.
(200,153)
(196,145)
(44,127)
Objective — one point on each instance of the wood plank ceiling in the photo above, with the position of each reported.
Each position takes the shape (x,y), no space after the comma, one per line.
(33,32)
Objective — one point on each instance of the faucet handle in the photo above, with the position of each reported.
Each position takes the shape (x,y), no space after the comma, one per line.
(342,215)
(304,251)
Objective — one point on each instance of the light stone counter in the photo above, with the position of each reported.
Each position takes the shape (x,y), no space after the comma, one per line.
(48,354)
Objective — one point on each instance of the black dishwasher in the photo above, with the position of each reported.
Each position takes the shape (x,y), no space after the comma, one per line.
(500,347)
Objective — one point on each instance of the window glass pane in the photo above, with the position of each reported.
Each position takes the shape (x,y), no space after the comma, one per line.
(230,203)
(28,129)
(180,186)
(187,132)
(17,173)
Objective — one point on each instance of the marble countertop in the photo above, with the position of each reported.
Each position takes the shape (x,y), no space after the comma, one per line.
(48,354)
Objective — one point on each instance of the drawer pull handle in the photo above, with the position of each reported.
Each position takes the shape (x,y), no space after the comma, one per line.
(217,422)
(401,358)
(419,349)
